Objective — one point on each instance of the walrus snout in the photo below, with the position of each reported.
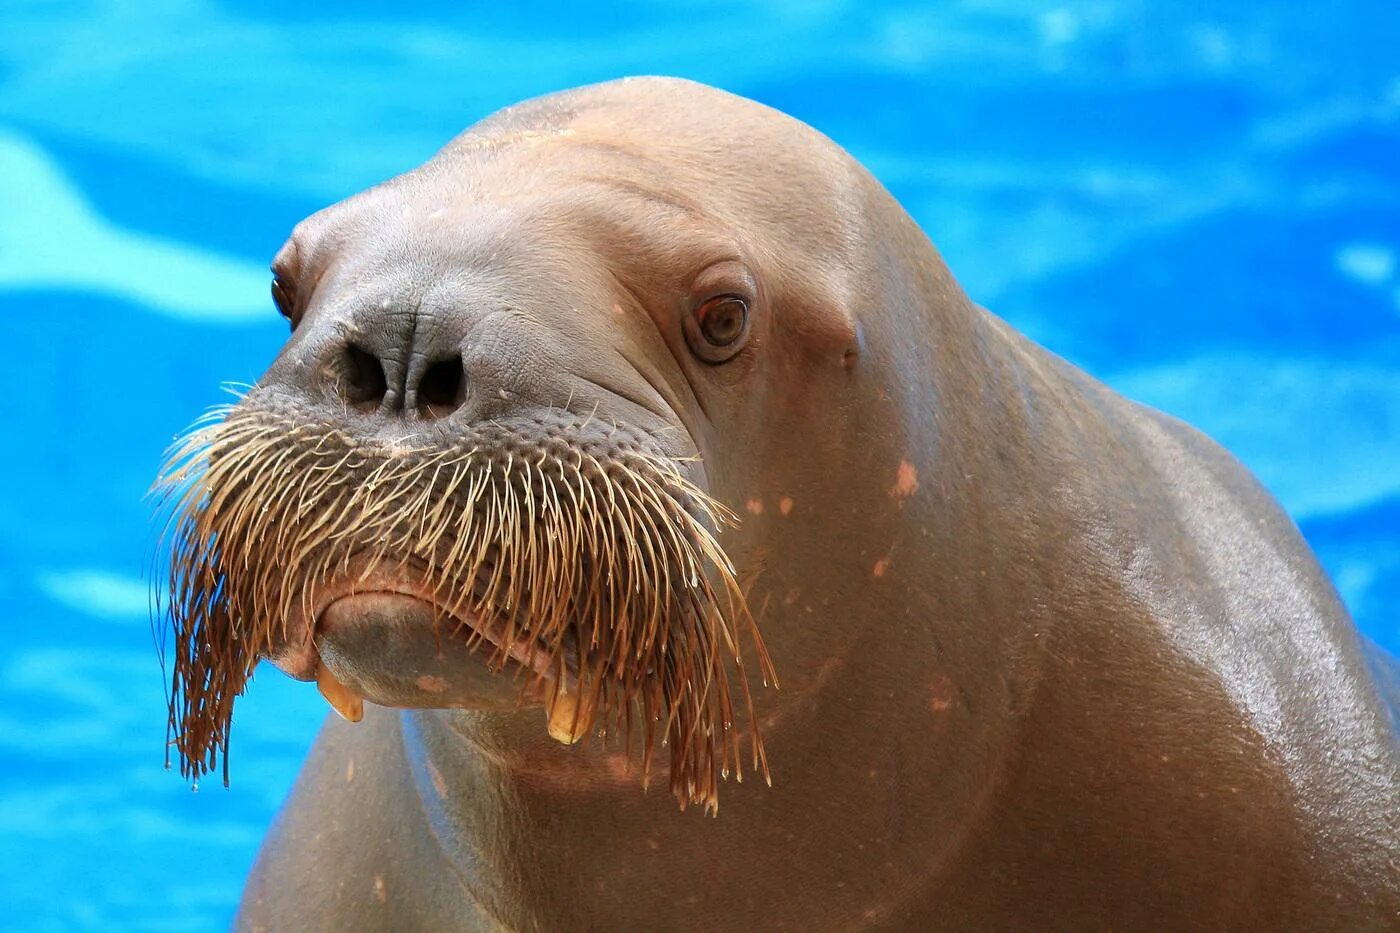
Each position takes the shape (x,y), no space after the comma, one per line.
(386,354)
(426,380)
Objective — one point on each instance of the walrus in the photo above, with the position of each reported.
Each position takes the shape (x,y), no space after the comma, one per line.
(694,554)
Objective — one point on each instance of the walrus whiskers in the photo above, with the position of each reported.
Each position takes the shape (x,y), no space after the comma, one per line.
(606,565)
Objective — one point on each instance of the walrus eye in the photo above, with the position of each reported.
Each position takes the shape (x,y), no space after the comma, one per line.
(282,295)
(719,325)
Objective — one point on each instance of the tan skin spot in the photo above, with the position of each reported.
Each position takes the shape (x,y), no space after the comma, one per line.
(941,694)
(881,567)
(350,771)
(785,505)
(431,683)
(755,506)
(906,481)
(618,766)
(381,893)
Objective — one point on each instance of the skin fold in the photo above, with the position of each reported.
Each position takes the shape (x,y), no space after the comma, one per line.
(1047,657)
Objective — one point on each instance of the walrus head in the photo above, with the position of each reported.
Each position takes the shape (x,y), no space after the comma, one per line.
(528,387)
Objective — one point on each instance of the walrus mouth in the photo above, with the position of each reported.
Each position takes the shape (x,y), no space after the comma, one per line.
(570,551)
(380,633)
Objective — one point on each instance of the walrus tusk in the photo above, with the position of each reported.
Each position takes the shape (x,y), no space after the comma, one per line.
(341,698)
(567,723)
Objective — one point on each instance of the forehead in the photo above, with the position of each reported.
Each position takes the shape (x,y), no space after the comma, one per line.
(473,219)
(631,174)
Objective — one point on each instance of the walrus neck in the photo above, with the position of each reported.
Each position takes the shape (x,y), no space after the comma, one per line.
(544,836)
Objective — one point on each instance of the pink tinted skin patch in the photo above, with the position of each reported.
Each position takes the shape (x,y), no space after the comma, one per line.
(906,481)
(941,694)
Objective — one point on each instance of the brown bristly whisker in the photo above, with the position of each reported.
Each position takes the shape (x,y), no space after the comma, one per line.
(608,564)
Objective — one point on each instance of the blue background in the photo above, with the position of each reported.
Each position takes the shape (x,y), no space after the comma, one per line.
(1200,203)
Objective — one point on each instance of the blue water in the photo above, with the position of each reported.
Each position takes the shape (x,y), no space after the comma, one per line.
(1200,203)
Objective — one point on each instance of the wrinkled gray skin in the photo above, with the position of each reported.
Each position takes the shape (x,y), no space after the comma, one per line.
(1049,658)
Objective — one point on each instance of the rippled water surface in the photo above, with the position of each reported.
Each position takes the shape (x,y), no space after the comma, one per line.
(1200,203)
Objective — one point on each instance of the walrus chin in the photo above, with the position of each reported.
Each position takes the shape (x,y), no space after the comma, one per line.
(378,631)
(381,566)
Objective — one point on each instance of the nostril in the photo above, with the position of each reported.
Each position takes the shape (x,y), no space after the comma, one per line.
(442,389)
(364,377)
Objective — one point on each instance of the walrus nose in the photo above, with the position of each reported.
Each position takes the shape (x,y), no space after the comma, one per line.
(432,385)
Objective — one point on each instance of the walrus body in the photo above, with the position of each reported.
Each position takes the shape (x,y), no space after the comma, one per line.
(1048,658)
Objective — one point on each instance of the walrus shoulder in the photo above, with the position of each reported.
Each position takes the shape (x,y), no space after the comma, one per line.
(1385,668)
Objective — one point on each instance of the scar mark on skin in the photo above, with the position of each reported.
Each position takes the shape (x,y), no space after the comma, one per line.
(785,505)
(755,506)
(882,566)
(906,481)
(942,694)
(431,683)
(804,696)
(381,894)
(439,784)
(619,766)
(350,771)
(617,309)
